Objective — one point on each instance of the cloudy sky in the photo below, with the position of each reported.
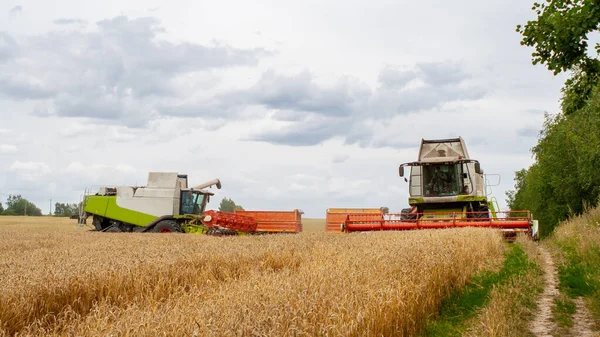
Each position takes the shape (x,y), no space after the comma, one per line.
(292,104)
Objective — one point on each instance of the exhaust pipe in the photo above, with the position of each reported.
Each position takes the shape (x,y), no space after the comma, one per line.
(208,184)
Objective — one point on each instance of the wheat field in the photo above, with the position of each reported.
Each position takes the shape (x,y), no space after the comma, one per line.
(60,280)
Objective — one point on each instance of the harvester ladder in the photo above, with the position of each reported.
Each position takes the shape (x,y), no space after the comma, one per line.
(494,207)
(82,202)
(488,185)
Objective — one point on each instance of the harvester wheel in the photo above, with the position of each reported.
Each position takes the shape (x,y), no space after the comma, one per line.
(112,229)
(167,226)
(97,222)
(482,208)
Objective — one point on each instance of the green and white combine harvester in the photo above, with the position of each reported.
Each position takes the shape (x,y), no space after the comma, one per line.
(447,188)
(166,204)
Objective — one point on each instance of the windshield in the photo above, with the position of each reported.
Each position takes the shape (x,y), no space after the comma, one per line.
(191,203)
(442,180)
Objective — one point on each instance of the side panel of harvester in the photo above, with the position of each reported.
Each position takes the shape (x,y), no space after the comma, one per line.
(335,217)
(275,221)
(106,206)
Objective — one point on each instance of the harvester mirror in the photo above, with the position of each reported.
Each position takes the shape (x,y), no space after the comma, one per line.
(478,168)
(401,171)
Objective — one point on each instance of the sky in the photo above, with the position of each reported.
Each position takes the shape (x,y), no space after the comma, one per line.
(291,104)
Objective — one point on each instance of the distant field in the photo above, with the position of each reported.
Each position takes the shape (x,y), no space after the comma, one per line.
(68,225)
(60,280)
(313,225)
(42,223)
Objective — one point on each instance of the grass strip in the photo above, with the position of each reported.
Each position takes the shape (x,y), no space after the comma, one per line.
(458,308)
(578,254)
(562,313)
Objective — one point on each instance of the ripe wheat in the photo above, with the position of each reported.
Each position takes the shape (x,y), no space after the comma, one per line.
(88,284)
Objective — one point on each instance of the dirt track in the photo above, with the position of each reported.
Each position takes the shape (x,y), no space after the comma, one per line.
(582,320)
(543,325)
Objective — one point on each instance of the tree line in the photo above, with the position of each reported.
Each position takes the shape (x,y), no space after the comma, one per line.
(228,205)
(565,177)
(17,205)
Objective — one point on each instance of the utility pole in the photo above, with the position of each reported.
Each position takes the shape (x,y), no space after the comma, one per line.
(50,207)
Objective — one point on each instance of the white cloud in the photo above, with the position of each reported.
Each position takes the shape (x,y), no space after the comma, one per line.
(30,170)
(7,149)
(76,129)
(75,167)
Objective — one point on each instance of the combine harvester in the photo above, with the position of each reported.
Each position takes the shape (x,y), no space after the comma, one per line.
(447,189)
(166,204)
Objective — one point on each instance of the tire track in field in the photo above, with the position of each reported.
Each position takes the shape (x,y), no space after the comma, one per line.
(542,325)
(582,320)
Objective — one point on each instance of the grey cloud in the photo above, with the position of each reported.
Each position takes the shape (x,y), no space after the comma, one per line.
(289,115)
(8,47)
(210,109)
(349,104)
(64,21)
(102,107)
(476,141)
(433,73)
(22,89)
(528,132)
(443,73)
(536,111)
(300,93)
(392,142)
(339,159)
(114,73)
(305,133)
(137,39)
(389,103)
(16,10)
(390,77)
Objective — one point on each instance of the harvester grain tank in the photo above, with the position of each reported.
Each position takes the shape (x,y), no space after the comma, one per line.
(447,188)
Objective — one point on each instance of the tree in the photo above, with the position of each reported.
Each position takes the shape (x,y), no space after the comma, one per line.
(564,178)
(1,209)
(228,205)
(66,209)
(559,36)
(16,205)
(384,210)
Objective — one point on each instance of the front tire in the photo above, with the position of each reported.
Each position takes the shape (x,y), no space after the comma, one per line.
(481,208)
(167,226)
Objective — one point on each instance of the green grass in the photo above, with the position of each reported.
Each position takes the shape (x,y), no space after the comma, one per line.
(578,252)
(562,312)
(578,276)
(462,305)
